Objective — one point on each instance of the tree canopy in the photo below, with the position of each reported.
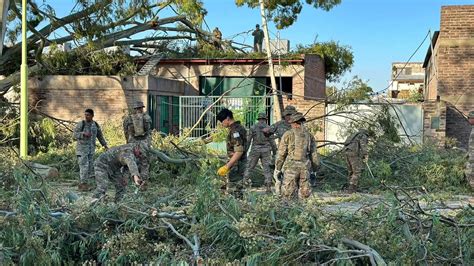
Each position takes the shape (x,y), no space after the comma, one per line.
(285,13)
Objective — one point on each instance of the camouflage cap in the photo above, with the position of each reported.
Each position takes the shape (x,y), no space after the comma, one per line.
(471,114)
(297,117)
(138,104)
(289,110)
(262,116)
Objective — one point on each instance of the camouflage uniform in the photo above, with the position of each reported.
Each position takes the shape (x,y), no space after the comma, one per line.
(236,142)
(261,150)
(110,166)
(469,172)
(137,128)
(280,127)
(298,157)
(355,149)
(85,148)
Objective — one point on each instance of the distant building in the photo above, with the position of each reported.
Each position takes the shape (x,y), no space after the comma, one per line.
(407,79)
(449,78)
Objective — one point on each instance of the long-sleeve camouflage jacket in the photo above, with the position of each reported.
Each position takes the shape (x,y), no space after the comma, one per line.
(119,156)
(297,145)
(86,145)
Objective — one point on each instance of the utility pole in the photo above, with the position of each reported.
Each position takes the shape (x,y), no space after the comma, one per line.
(276,101)
(24,87)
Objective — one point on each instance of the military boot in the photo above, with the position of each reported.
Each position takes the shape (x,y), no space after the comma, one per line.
(83,187)
(351,189)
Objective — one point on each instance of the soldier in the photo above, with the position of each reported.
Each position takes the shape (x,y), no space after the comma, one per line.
(234,169)
(297,153)
(217,37)
(469,172)
(280,127)
(86,132)
(137,128)
(355,149)
(110,166)
(261,150)
(257,39)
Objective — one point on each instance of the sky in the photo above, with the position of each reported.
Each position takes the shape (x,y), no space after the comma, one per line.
(378,31)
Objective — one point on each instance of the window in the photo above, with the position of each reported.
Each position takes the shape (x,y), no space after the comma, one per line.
(286,86)
(407,71)
(434,122)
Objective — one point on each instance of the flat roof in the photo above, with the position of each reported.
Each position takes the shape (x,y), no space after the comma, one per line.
(219,61)
(433,44)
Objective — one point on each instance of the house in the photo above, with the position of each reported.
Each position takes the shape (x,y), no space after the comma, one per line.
(180,92)
(407,79)
(449,76)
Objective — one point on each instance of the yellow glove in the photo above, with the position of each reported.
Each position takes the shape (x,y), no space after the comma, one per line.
(223,171)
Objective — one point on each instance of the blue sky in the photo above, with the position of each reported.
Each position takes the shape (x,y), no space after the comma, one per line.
(379,31)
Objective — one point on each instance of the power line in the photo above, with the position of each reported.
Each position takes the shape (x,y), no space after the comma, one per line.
(404,66)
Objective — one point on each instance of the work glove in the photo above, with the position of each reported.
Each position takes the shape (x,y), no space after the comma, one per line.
(366,159)
(223,171)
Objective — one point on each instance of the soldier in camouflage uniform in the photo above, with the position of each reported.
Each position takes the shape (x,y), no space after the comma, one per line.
(355,149)
(298,157)
(261,150)
(86,132)
(469,172)
(234,169)
(137,128)
(110,166)
(280,127)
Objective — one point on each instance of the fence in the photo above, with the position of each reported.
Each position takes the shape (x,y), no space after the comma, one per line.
(408,119)
(245,109)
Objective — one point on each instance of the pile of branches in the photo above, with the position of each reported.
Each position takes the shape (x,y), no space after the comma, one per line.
(185,217)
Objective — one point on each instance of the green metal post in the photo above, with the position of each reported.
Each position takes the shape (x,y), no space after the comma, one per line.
(24,87)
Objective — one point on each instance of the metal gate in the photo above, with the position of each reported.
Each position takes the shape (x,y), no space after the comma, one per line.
(245,109)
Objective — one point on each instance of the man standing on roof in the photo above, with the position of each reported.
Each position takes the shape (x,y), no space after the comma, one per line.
(86,132)
(257,39)
(217,38)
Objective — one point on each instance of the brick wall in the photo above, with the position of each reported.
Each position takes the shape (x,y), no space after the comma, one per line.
(66,97)
(455,64)
(434,110)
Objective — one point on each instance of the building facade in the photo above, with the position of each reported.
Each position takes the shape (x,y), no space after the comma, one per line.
(407,80)
(449,73)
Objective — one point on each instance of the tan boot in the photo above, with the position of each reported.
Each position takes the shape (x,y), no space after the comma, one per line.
(83,187)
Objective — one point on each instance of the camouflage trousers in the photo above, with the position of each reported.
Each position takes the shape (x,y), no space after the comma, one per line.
(355,165)
(296,180)
(104,175)
(262,153)
(235,182)
(86,167)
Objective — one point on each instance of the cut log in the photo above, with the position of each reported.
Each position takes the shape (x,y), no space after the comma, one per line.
(43,170)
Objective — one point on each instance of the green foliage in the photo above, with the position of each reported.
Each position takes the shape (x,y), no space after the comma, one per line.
(256,230)
(285,13)
(352,91)
(338,59)
(87,61)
